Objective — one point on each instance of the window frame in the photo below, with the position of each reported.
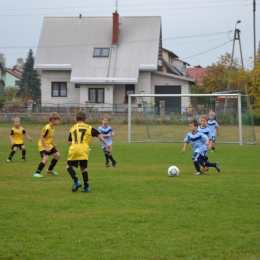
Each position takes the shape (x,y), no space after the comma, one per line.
(101,53)
(59,88)
(96,95)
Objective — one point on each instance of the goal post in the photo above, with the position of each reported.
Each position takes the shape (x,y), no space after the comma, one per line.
(164,117)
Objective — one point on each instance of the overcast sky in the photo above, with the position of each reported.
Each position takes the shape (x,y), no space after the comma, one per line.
(198,31)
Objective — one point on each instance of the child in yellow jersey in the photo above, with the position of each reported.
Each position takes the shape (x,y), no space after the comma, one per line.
(47,147)
(79,137)
(16,138)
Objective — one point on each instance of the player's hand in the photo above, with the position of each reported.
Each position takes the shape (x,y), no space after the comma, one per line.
(183,150)
(31,140)
(109,147)
(54,145)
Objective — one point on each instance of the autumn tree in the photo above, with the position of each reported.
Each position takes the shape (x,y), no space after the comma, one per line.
(30,82)
(219,74)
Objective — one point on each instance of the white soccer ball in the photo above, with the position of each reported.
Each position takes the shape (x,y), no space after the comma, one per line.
(173,171)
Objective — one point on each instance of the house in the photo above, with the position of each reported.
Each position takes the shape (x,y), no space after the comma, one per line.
(100,60)
(197,73)
(172,63)
(12,77)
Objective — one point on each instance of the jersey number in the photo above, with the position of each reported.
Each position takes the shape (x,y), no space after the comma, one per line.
(83,131)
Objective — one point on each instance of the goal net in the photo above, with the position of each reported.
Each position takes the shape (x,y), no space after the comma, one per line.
(165,118)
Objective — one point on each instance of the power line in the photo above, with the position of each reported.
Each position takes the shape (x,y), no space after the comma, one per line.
(205,51)
(122,11)
(109,6)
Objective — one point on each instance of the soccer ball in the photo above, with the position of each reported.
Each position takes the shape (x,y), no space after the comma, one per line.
(173,171)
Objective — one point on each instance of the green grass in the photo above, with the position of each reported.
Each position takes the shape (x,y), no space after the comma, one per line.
(134,211)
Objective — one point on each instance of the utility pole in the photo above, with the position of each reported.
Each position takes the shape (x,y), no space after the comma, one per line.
(254,30)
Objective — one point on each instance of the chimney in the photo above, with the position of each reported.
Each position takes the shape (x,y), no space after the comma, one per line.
(115,27)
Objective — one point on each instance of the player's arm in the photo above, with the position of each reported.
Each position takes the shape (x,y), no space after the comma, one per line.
(47,149)
(218,131)
(70,140)
(184,147)
(28,137)
(101,138)
(11,137)
(95,132)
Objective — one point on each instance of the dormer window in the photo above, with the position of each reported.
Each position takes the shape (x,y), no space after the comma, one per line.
(101,52)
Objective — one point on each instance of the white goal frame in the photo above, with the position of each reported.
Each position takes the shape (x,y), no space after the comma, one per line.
(239,107)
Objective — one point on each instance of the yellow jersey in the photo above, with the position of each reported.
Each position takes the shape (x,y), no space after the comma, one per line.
(47,133)
(17,135)
(80,135)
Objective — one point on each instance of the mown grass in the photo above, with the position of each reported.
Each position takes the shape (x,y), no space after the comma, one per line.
(134,211)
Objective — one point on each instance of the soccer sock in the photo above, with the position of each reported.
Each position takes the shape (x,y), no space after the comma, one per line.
(206,158)
(23,154)
(197,166)
(40,167)
(85,179)
(107,158)
(213,148)
(111,158)
(72,174)
(208,164)
(11,155)
(52,165)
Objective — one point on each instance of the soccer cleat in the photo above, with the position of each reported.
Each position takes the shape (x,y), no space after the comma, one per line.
(85,190)
(51,172)
(107,164)
(37,175)
(114,163)
(217,167)
(197,173)
(24,160)
(76,186)
(9,161)
(213,151)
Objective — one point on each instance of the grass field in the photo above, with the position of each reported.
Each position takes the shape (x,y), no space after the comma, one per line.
(134,211)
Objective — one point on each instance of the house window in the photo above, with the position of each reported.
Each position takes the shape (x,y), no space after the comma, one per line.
(129,89)
(59,89)
(17,82)
(77,85)
(96,95)
(101,52)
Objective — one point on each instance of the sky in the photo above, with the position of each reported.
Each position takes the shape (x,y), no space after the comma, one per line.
(198,31)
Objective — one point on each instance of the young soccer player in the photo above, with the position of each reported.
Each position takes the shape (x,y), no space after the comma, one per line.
(47,147)
(206,131)
(214,129)
(212,111)
(198,141)
(107,132)
(16,138)
(79,137)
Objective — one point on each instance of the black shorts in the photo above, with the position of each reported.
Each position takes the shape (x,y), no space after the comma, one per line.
(17,145)
(52,151)
(81,163)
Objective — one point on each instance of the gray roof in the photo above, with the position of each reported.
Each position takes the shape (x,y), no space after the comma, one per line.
(67,43)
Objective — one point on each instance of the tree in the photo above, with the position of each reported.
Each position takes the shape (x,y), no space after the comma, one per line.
(219,74)
(2,60)
(2,87)
(30,85)
(20,63)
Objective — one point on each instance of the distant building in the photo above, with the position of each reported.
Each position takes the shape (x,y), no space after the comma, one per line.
(198,73)
(12,77)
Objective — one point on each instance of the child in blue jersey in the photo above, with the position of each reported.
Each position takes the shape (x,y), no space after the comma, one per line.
(206,131)
(107,132)
(198,141)
(214,129)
